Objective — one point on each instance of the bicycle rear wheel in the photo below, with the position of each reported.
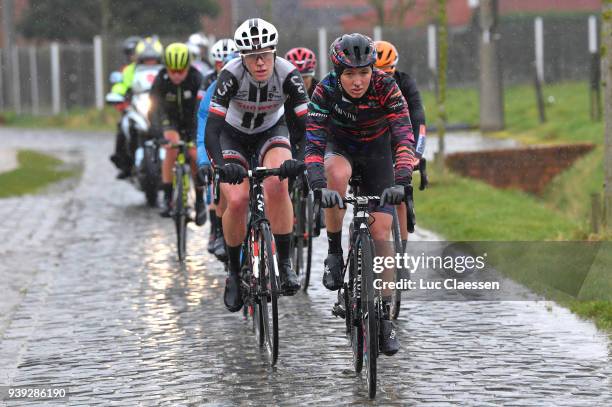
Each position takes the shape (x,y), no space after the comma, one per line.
(180,211)
(369,316)
(269,289)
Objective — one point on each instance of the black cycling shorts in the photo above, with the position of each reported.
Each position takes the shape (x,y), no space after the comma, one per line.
(372,161)
(241,148)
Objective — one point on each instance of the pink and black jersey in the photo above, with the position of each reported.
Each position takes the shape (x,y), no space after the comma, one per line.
(381,111)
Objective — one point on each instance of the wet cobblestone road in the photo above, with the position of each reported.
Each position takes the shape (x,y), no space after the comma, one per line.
(93,299)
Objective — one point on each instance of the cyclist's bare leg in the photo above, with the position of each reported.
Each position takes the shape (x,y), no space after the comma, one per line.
(279,209)
(380,228)
(234,217)
(173,137)
(338,171)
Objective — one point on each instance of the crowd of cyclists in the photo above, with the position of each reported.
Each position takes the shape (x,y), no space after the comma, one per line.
(242,105)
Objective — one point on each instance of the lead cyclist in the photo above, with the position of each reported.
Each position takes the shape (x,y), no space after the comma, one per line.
(357,123)
(246,120)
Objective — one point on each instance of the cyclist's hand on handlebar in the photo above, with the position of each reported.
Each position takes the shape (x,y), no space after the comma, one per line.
(331,198)
(291,168)
(392,195)
(233,173)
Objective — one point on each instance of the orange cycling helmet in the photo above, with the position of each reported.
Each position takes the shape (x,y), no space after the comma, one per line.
(386,56)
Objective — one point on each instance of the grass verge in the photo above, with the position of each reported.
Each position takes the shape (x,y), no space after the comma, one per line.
(35,171)
(76,119)
(466,209)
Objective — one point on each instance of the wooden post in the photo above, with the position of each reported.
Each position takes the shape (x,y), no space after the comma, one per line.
(595,212)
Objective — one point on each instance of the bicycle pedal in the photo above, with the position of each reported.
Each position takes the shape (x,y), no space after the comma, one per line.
(339,311)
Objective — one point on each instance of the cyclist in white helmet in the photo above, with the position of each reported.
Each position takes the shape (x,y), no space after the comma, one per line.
(246,122)
(201,62)
(218,53)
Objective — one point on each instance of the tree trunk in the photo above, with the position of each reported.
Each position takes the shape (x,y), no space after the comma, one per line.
(606,79)
(491,88)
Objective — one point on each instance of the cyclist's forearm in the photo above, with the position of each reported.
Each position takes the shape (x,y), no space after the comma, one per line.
(214,125)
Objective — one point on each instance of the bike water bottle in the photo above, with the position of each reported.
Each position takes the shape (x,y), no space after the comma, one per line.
(420,147)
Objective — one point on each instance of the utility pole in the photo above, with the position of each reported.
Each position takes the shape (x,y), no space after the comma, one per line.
(606,79)
(442,42)
(491,88)
(8,32)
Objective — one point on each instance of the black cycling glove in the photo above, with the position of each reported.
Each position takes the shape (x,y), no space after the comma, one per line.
(331,198)
(233,173)
(291,168)
(392,195)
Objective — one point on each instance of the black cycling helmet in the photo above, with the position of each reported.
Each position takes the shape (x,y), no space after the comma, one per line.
(129,45)
(352,51)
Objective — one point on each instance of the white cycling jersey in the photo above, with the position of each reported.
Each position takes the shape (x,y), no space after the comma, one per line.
(253,107)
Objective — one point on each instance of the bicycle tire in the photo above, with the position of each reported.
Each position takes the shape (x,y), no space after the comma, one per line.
(369,315)
(396,297)
(180,218)
(269,288)
(309,236)
(298,231)
(356,328)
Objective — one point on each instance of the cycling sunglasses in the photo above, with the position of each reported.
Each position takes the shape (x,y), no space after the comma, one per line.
(176,71)
(264,55)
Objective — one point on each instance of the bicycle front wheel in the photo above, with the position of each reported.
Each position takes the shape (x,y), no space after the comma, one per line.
(269,289)
(396,296)
(369,315)
(180,211)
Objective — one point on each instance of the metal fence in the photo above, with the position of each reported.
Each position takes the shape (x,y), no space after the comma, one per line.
(58,77)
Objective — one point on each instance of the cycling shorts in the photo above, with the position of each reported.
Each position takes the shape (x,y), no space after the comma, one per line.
(372,161)
(238,147)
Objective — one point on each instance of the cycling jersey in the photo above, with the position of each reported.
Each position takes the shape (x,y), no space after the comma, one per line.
(127,73)
(252,107)
(297,128)
(202,118)
(354,123)
(409,89)
(174,106)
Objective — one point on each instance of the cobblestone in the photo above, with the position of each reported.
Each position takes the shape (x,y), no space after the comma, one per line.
(97,302)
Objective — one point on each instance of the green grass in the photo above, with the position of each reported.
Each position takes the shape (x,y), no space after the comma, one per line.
(466,209)
(35,172)
(76,119)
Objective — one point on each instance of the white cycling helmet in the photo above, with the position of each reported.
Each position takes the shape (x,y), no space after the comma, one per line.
(194,50)
(254,34)
(198,39)
(222,49)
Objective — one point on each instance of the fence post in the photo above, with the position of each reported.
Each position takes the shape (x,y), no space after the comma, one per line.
(17,80)
(2,69)
(539,66)
(55,78)
(34,80)
(432,62)
(594,89)
(595,212)
(323,52)
(98,72)
(377,33)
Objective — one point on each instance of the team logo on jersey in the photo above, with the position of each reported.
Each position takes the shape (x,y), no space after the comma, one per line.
(171,97)
(187,94)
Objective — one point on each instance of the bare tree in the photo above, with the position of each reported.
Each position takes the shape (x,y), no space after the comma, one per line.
(399,9)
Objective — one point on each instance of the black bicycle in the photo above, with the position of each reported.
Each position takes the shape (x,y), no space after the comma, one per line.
(261,285)
(181,209)
(359,302)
